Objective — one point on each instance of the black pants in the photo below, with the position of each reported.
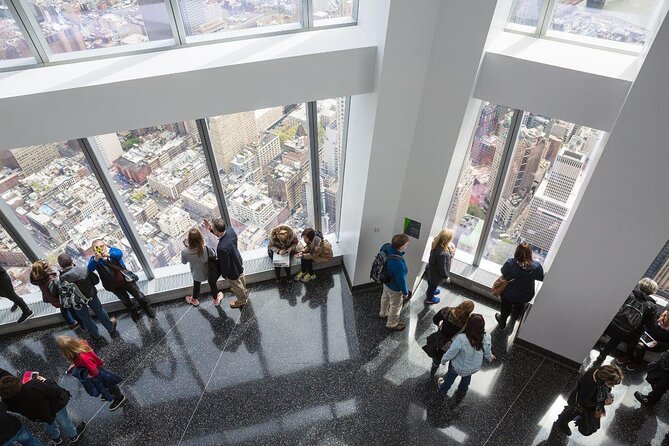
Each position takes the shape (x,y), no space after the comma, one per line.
(277,270)
(518,309)
(431,289)
(7,290)
(568,414)
(131,289)
(616,337)
(658,390)
(307,266)
(212,288)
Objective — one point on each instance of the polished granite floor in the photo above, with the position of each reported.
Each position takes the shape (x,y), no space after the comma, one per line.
(310,364)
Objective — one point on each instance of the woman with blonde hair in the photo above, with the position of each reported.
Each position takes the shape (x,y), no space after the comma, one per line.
(439,265)
(197,254)
(88,368)
(449,321)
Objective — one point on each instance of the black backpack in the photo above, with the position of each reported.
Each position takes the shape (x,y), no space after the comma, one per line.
(629,318)
(379,272)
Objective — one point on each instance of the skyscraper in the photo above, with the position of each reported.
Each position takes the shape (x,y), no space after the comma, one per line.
(109,146)
(230,134)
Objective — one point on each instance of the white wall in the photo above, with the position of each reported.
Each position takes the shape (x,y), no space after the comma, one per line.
(620,226)
(58,103)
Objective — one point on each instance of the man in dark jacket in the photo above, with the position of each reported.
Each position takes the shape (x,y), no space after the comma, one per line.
(13,431)
(627,326)
(229,260)
(658,378)
(7,291)
(41,401)
(86,280)
(108,262)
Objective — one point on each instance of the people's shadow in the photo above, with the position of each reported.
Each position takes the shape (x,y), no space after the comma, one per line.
(289,291)
(247,333)
(440,411)
(316,292)
(222,325)
(632,426)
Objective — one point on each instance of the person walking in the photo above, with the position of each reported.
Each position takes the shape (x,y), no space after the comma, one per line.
(86,280)
(230,264)
(450,321)
(12,431)
(282,241)
(658,378)
(465,356)
(395,291)
(589,398)
(628,324)
(439,265)
(43,276)
(198,255)
(520,272)
(88,368)
(316,249)
(7,291)
(115,277)
(42,401)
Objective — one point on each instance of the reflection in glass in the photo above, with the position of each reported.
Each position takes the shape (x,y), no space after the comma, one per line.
(12,45)
(526,12)
(331,9)
(51,189)
(16,264)
(330,142)
(163,179)
(547,169)
(71,25)
(473,193)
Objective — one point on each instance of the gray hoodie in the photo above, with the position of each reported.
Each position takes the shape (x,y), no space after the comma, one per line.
(199,266)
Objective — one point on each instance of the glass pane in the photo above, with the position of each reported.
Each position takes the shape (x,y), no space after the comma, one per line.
(264,161)
(12,45)
(330,144)
(71,25)
(224,17)
(163,179)
(624,21)
(545,174)
(659,271)
(473,193)
(51,189)
(331,9)
(16,264)
(526,12)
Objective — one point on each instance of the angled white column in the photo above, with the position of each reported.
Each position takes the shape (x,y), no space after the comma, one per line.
(621,223)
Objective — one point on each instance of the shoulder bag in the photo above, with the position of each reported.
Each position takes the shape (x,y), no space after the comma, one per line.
(500,285)
(128,276)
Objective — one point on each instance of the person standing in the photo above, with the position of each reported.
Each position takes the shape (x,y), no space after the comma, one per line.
(82,357)
(43,276)
(521,271)
(316,249)
(12,431)
(197,255)
(439,265)
(230,262)
(659,331)
(628,324)
(7,291)
(86,280)
(465,356)
(449,322)
(395,291)
(108,262)
(42,401)
(282,241)
(658,378)
(589,398)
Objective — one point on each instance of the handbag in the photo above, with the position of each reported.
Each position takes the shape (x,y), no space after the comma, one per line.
(438,343)
(212,264)
(128,276)
(499,286)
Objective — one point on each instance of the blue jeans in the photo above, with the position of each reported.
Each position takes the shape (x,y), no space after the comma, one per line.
(61,425)
(449,379)
(69,315)
(89,324)
(23,437)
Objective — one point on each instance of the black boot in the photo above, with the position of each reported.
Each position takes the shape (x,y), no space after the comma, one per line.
(500,323)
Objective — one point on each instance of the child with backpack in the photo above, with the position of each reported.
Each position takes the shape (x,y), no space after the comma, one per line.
(88,368)
(390,269)
(317,250)
(639,310)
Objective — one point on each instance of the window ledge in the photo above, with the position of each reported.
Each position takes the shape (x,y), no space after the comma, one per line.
(171,283)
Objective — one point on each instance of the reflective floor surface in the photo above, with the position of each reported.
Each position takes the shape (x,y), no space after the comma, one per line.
(311,364)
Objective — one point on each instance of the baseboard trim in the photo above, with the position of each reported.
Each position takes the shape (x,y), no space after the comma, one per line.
(559,359)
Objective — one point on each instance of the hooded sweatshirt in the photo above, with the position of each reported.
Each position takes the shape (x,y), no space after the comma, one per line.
(397,269)
(84,279)
(48,287)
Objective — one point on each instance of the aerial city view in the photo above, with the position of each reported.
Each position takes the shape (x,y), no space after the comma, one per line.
(160,172)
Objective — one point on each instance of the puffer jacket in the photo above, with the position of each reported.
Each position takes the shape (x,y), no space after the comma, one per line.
(318,250)
(95,385)
(49,288)
(282,238)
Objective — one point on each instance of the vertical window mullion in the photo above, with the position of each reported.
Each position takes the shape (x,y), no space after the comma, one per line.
(30,29)
(496,192)
(342,162)
(205,140)
(116,203)
(176,21)
(19,233)
(314,162)
(354,13)
(545,17)
(307,16)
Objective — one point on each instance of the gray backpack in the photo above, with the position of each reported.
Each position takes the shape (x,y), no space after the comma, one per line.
(70,295)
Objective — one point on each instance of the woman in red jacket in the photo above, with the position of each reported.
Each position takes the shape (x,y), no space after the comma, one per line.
(81,356)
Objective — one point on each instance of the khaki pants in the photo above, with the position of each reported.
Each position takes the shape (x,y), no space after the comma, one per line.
(239,288)
(391,306)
